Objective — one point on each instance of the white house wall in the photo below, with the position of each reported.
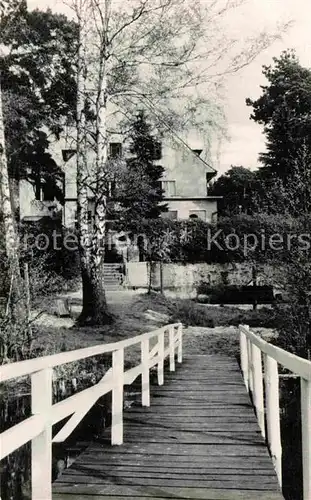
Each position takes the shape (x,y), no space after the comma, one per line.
(185,168)
(26,198)
(185,207)
(32,209)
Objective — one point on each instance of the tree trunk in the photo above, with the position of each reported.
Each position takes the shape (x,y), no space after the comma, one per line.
(91,234)
(16,296)
(10,236)
(161,278)
(254,275)
(94,310)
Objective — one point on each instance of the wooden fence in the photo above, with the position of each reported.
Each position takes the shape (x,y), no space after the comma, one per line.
(259,364)
(38,427)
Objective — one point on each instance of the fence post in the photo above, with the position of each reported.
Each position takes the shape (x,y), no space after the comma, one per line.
(179,350)
(250,365)
(305,386)
(117,397)
(244,358)
(258,388)
(41,446)
(145,377)
(161,358)
(273,414)
(171,336)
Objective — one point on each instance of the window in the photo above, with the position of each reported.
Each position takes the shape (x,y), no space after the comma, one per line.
(90,217)
(169,188)
(157,151)
(68,154)
(115,149)
(171,215)
(197,214)
(48,192)
(209,177)
(214,217)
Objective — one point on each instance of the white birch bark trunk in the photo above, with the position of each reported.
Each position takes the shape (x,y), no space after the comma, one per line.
(10,236)
(16,293)
(91,237)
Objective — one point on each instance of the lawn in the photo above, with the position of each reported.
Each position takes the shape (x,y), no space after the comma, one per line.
(133,316)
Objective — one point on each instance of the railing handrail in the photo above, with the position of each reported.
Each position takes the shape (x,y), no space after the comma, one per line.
(21,368)
(266,397)
(38,427)
(292,362)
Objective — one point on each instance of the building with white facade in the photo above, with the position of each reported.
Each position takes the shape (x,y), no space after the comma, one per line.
(185,180)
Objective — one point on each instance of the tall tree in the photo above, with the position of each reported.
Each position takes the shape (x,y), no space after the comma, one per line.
(145,53)
(38,85)
(237,188)
(284,109)
(15,305)
(37,92)
(141,194)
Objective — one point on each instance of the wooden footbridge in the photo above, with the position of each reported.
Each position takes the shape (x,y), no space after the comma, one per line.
(196,434)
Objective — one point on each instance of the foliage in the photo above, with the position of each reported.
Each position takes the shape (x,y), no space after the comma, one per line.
(141,193)
(284,109)
(167,240)
(237,188)
(52,246)
(191,313)
(149,58)
(194,314)
(37,77)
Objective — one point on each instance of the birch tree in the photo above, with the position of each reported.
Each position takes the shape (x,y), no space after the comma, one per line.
(167,56)
(35,94)
(14,310)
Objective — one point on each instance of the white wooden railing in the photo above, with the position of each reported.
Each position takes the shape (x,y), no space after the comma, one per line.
(266,396)
(38,427)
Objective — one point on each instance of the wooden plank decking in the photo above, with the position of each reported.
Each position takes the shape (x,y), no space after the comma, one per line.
(198,440)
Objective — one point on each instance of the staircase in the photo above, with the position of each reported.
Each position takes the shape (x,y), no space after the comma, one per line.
(113,277)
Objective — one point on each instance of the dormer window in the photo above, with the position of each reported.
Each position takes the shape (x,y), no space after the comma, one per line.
(68,154)
(197,151)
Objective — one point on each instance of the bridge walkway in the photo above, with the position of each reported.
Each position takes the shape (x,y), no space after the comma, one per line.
(199,439)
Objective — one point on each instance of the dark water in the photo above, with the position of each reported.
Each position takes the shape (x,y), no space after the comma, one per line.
(15,469)
(291,439)
(14,408)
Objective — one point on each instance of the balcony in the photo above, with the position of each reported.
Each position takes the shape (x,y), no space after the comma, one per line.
(37,209)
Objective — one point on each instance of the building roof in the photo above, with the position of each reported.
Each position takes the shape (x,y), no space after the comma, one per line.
(209,168)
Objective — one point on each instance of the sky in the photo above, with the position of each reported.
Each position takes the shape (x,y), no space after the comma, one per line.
(246,140)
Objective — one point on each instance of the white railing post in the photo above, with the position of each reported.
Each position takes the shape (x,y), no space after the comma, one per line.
(145,377)
(250,365)
(117,397)
(244,358)
(161,358)
(273,414)
(171,336)
(258,388)
(41,446)
(305,386)
(179,349)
